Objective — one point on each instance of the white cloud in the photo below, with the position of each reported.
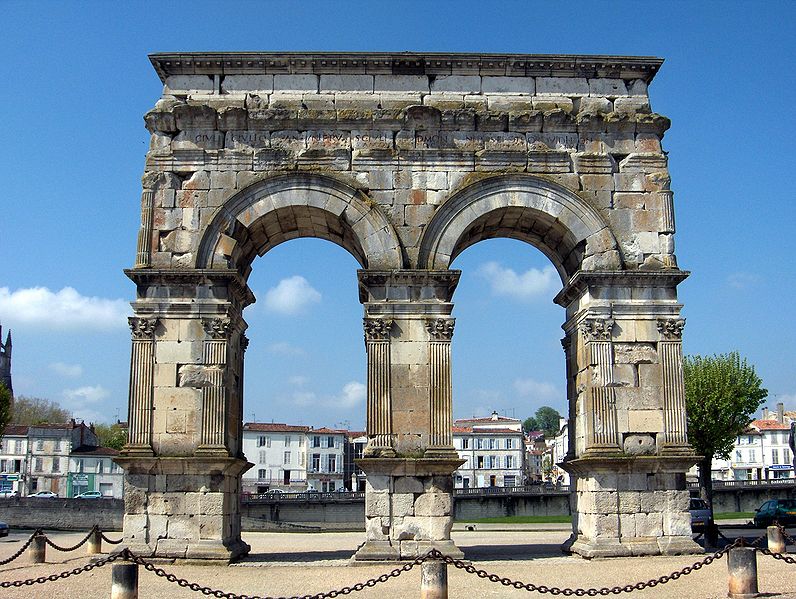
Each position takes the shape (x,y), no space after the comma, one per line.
(82,402)
(71,371)
(353,393)
(529,285)
(62,310)
(282,348)
(538,390)
(742,280)
(291,296)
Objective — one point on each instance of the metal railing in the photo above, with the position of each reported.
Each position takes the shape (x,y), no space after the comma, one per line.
(737,484)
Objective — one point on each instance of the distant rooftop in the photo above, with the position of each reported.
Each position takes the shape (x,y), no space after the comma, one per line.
(274,427)
(404,63)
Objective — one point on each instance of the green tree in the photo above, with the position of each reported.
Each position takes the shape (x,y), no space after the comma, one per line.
(34,410)
(5,407)
(111,435)
(722,392)
(530,424)
(548,420)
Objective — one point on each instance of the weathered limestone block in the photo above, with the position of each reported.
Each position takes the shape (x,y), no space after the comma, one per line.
(377,503)
(433,504)
(198,376)
(403,504)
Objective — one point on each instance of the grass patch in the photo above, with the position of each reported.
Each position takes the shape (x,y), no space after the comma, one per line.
(520,520)
(733,515)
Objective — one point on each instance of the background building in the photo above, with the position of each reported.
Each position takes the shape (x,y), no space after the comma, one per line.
(353,476)
(93,469)
(5,361)
(493,450)
(279,454)
(326,459)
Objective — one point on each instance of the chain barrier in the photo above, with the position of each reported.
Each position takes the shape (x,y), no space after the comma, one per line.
(228,595)
(8,560)
(110,541)
(789,539)
(53,577)
(72,547)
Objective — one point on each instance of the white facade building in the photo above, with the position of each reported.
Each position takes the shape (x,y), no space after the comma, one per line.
(279,454)
(326,450)
(493,450)
(14,459)
(93,469)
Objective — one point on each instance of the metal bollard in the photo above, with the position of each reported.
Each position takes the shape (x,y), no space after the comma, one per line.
(94,544)
(742,566)
(434,580)
(37,549)
(124,581)
(776,540)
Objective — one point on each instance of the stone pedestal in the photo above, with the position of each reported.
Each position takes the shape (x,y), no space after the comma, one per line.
(408,507)
(178,507)
(630,506)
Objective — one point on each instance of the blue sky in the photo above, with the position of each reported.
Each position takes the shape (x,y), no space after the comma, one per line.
(77,81)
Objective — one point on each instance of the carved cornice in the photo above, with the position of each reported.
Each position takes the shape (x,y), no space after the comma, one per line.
(216,328)
(582,280)
(143,329)
(244,343)
(671,329)
(153,277)
(597,329)
(404,63)
(377,329)
(441,329)
(407,285)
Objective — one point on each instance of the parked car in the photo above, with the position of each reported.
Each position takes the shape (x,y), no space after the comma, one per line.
(8,493)
(4,529)
(701,514)
(89,495)
(44,494)
(274,493)
(776,510)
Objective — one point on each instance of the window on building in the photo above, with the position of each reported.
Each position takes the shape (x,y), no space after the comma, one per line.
(465,443)
(301,459)
(39,444)
(261,474)
(331,486)
(100,466)
(492,443)
(509,443)
(287,441)
(752,456)
(287,457)
(3,466)
(263,457)
(330,441)
(38,465)
(263,441)
(509,481)
(749,440)
(316,441)
(332,462)
(316,461)
(57,445)
(79,466)
(509,461)
(775,456)
(479,461)
(301,440)
(479,443)
(56,464)
(738,455)
(17,446)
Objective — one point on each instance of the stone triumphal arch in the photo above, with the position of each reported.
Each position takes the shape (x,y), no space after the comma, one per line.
(405,160)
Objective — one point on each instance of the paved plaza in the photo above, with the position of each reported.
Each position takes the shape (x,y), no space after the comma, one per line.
(288,564)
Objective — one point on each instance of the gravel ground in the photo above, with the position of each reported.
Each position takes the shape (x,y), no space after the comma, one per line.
(287,564)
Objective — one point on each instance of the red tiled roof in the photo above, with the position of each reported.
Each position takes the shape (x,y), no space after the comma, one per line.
(462,429)
(274,427)
(18,430)
(355,434)
(769,425)
(487,419)
(491,431)
(329,431)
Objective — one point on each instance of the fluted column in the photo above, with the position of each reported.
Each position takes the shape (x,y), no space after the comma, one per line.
(602,429)
(670,349)
(144,252)
(142,366)
(379,410)
(440,332)
(214,395)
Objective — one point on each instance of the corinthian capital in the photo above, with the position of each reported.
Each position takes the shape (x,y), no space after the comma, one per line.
(671,329)
(142,328)
(441,329)
(377,329)
(216,328)
(597,329)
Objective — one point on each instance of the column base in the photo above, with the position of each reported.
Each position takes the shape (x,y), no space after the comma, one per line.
(403,550)
(637,546)
(181,549)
